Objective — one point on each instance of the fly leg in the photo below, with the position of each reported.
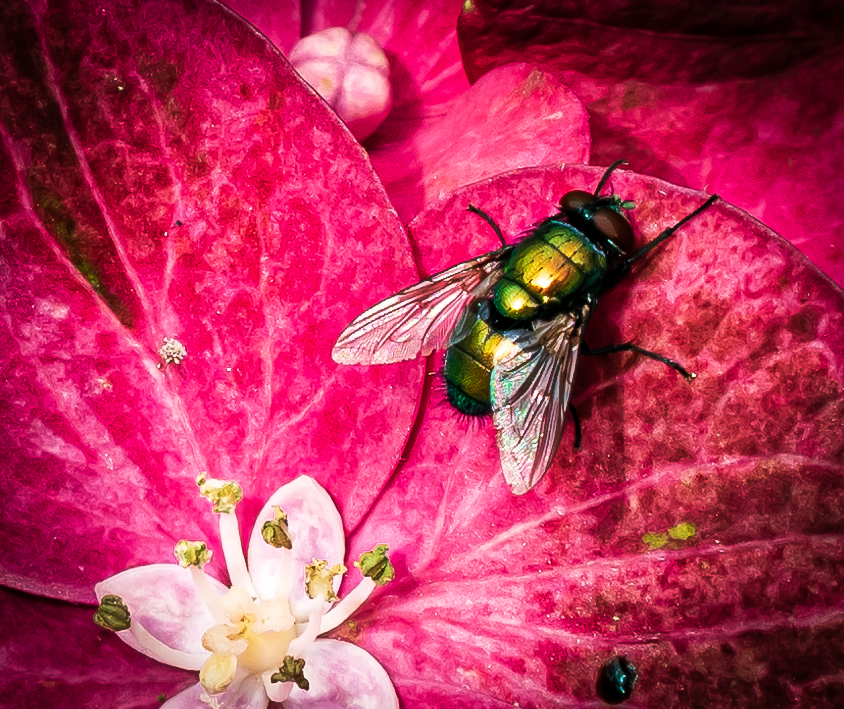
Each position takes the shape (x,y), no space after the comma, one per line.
(578,430)
(630,347)
(669,232)
(619,271)
(489,220)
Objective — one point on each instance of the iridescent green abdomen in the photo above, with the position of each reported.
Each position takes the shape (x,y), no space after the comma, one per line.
(467,368)
(552,264)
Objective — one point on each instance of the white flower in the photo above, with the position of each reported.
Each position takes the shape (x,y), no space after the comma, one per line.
(256,641)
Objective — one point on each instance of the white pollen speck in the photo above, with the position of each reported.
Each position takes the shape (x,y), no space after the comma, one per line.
(172,351)
(616,618)
(228,369)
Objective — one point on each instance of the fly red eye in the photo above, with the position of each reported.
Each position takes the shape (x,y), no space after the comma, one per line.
(615,227)
(575,200)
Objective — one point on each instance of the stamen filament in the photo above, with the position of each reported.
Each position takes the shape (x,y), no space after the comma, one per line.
(312,629)
(233,551)
(341,610)
(164,653)
(212,599)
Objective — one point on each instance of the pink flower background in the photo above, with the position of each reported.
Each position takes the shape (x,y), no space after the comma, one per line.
(169,175)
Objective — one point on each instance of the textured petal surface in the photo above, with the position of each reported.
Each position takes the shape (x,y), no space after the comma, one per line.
(700,530)
(343,675)
(170,176)
(733,99)
(317,532)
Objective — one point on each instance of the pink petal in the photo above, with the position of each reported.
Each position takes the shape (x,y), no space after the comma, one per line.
(249,694)
(279,20)
(317,533)
(190,698)
(164,599)
(185,184)
(516,116)
(342,675)
(54,656)
(521,599)
(736,101)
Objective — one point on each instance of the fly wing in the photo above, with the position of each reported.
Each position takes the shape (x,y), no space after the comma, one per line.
(420,318)
(530,390)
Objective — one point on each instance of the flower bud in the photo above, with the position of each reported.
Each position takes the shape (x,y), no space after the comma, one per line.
(351,72)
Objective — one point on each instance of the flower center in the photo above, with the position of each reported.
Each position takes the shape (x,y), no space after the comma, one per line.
(254,640)
(265,651)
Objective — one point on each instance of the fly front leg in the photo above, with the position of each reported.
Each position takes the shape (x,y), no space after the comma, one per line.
(630,347)
(670,231)
(620,270)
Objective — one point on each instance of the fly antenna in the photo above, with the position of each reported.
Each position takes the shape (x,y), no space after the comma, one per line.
(489,220)
(606,175)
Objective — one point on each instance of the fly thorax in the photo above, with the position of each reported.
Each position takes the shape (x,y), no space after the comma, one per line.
(554,263)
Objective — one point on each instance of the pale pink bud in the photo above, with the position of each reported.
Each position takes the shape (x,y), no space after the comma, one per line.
(351,72)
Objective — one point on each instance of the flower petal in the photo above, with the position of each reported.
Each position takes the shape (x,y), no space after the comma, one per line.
(248,694)
(317,531)
(185,183)
(342,675)
(516,116)
(164,599)
(190,698)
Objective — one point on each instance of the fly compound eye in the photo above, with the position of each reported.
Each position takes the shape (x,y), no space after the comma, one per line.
(576,200)
(615,227)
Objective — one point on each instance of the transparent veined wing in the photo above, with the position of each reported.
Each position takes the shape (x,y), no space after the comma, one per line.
(421,318)
(530,388)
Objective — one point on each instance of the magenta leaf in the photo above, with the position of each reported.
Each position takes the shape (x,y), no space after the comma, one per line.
(734,100)
(171,177)
(698,533)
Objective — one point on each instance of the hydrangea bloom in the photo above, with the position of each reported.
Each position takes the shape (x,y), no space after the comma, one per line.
(257,640)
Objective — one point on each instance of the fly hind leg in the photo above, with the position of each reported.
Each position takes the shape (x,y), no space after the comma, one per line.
(578,430)
(630,347)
